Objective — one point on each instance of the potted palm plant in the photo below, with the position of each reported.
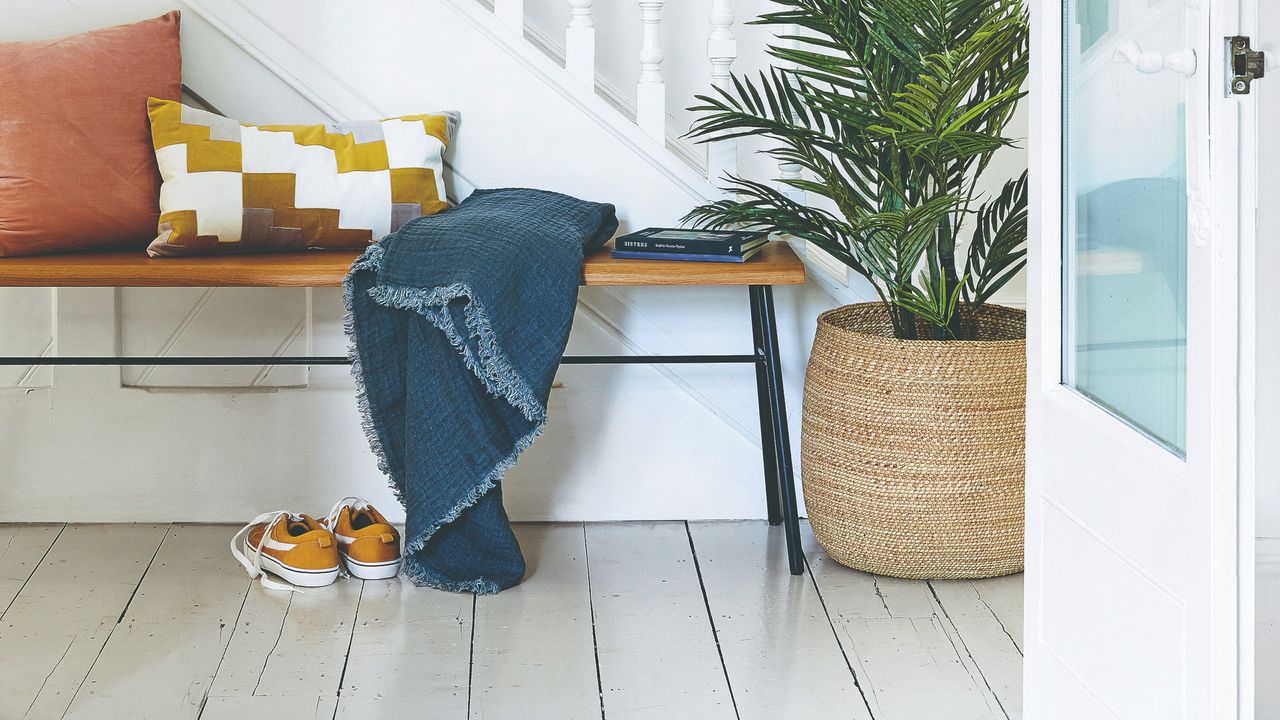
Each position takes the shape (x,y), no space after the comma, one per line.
(912,441)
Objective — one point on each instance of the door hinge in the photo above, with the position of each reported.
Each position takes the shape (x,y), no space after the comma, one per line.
(1243,65)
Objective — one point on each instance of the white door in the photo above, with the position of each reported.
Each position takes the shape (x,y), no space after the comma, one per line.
(1132,587)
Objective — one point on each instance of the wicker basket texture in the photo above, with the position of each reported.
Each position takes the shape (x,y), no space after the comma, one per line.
(913,450)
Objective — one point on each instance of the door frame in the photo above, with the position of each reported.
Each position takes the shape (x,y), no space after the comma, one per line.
(1220,213)
(1250,169)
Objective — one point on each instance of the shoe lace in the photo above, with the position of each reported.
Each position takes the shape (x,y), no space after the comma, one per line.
(356,503)
(254,567)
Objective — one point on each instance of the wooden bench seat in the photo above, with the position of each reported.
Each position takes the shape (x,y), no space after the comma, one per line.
(777,264)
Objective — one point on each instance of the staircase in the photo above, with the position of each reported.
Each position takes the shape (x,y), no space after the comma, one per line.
(541,107)
(569,137)
(578,75)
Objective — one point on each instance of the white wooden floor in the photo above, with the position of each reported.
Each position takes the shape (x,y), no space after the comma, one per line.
(633,620)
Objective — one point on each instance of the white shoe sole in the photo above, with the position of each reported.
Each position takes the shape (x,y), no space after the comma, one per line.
(372,571)
(297,576)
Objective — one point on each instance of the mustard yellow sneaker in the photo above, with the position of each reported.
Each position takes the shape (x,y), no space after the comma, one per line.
(292,547)
(368,544)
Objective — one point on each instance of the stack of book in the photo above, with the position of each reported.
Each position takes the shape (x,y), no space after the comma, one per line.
(728,246)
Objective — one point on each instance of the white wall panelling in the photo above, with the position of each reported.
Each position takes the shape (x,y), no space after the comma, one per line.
(85,323)
(214,321)
(26,328)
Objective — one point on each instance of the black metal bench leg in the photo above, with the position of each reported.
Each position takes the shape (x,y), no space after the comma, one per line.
(781,439)
(767,443)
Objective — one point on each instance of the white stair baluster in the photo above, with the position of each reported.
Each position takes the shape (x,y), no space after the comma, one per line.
(511,13)
(815,256)
(791,171)
(580,42)
(651,91)
(722,50)
(786,170)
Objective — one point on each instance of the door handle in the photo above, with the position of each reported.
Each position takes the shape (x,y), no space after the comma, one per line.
(1151,62)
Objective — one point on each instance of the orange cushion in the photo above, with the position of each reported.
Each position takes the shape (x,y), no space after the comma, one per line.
(77,170)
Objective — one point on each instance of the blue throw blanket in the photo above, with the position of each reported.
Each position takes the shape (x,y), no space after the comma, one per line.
(457,324)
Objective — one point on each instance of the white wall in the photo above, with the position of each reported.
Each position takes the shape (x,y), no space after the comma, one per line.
(623,443)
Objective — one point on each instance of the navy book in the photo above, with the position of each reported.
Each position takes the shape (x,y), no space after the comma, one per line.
(691,242)
(688,257)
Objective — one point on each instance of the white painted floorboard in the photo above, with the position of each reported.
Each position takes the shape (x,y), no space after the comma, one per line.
(657,653)
(778,645)
(410,654)
(22,547)
(162,656)
(53,632)
(987,617)
(286,645)
(908,659)
(670,620)
(533,653)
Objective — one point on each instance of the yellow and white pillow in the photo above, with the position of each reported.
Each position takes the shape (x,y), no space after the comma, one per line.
(231,188)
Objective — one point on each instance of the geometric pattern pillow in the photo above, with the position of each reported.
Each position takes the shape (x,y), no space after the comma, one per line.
(229,187)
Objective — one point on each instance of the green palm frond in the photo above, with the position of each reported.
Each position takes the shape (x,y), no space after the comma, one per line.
(892,109)
(895,241)
(931,301)
(998,251)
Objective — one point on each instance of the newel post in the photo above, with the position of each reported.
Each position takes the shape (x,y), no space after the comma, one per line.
(722,50)
(651,91)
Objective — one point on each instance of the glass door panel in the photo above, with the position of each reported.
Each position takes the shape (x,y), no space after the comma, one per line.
(1126,66)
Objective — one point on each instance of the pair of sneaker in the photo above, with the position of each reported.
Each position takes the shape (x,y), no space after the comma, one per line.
(353,539)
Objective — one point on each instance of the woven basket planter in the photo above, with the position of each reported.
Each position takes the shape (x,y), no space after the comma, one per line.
(913,449)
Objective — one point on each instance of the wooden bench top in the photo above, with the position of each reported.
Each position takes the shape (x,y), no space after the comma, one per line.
(776,264)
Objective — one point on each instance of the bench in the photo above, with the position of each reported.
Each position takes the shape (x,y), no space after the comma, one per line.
(776,264)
